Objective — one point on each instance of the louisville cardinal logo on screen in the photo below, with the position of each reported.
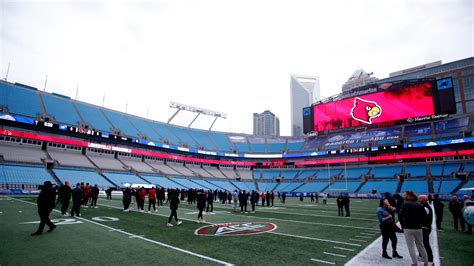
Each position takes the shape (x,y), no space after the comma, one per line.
(364,111)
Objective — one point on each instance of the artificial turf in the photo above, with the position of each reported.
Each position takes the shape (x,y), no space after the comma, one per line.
(304,231)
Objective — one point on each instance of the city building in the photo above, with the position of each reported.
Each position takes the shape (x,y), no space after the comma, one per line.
(305,90)
(360,78)
(266,124)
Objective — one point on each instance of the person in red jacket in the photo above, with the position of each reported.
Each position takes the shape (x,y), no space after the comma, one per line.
(142,195)
(264,196)
(86,190)
(152,198)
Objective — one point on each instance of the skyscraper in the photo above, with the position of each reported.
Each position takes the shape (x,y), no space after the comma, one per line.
(305,90)
(266,124)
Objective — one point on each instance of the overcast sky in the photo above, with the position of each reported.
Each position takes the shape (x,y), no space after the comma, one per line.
(231,56)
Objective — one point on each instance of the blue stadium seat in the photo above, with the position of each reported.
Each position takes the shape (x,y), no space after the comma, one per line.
(354,172)
(21,101)
(325,173)
(386,171)
(445,186)
(416,170)
(242,147)
(144,128)
(257,148)
(221,140)
(247,186)
(164,131)
(380,186)
(269,174)
(61,109)
(123,178)
(289,174)
(187,183)
(469,184)
(312,187)
(468,167)
(275,147)
(224,184)
(263,186)
(183,135)
(77,176)
(28,175)
(307,173)
(444,169)
(417,186)
(202,138)
(205,184)
(93,116)
(343,186)
(162,182)
(295,146)
(120,122)
(287,187)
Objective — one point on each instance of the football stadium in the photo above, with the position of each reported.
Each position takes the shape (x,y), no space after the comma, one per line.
(410,132)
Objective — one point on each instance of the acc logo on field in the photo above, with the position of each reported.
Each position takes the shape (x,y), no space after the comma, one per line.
(235,229)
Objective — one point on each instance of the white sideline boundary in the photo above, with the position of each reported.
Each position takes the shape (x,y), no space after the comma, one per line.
(144,239)
(276,233)
(372,254)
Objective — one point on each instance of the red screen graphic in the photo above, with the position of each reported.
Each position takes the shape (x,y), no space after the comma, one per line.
(387,106)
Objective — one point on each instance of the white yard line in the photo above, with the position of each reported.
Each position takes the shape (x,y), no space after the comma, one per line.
(333,254)
(360,240)
(146,239)
(323,261)
(276,233)
(346,249)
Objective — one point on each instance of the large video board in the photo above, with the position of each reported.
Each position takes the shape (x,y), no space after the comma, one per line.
(407,103)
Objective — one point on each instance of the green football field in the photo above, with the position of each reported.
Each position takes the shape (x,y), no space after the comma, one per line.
(305,234)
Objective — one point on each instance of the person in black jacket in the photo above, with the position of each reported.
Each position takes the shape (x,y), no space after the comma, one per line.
(243,198)
(94,196)
(201,204)
(210,200)
(268,198)
(426,226)
(253,199)
(340,205)
(412,216)
(272,197)
(455,207)
(65,196)
(174,201)
(346,201)
(127,198)
(76,200)
(438,209)
(46,202)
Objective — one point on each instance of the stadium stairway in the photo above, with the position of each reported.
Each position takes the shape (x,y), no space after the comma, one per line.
(54,176)
(399,187)
(360,186)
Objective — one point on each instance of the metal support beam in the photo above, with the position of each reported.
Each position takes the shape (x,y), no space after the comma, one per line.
(215,119)
(194,120)
(171,118)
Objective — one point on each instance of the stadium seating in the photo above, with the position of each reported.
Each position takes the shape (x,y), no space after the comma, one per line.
(445,186)
(469,184)
(93,116)
(105,160)
(325,173)
(144,128)
(197,170)
(417,186)
(287,187)
(161,167)
(379,186)
(229,172)
(123,178)
(178,167)
(68,157)
(444,169)
(213,171)
(343,186)
(184,137)
(21,101)
(244,173)
(120,122)
(61,108)
(307,173)
(221,140)
(222,184)
(469,167)
(77,176)
(276,145)
(311,187)
(262,186)
(162,181)
(187,183)
(242,185)
(353,173)
(22,152)
(289,174)
(22,174)
(165,133)
(416,170)
(268,174)
(385,171)
(206,185)
(136,163)
(295,145)
(202,139)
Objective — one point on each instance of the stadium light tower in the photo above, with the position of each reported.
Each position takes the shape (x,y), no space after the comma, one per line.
(197,110)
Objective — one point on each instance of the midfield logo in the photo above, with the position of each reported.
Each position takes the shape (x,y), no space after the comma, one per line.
(235,229)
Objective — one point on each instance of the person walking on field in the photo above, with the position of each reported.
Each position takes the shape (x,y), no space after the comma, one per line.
(201,204)
(46,202)
(76,200)
(235,199)
(94,196)
(174,202)
(65,197)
